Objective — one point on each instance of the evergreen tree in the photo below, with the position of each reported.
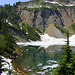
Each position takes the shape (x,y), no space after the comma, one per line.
(6,41)
(66,66)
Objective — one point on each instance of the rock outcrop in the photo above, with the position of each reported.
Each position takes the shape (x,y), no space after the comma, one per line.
(41,19)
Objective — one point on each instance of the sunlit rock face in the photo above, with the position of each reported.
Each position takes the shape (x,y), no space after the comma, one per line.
(41,19)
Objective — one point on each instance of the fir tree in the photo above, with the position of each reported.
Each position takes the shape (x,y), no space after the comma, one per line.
(66,66)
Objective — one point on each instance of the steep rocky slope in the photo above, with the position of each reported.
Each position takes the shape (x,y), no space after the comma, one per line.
(54,32)
(42,17)
(40,14)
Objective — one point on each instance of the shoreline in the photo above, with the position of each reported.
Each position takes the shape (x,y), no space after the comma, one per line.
(47,41)
(18,70)
(8,64)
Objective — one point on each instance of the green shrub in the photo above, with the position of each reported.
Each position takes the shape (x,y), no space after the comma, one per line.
(6,45)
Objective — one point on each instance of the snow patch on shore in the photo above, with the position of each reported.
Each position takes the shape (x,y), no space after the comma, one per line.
(52,66)
(46,69)
(9,22)
(6,64)
(72,40)
(47,41)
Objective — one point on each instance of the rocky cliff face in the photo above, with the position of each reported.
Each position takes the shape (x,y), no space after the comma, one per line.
(41,19)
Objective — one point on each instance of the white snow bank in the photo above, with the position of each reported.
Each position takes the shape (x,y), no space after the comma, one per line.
(42,73)
(7,64)
(52,66)
(46,41)
(9,22)
(52,61)
(20,27)
(72,40)
(40,64)
(70,5)
(54,2)
(46,37)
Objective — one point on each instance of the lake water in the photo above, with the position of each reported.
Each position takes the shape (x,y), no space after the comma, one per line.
(38,60)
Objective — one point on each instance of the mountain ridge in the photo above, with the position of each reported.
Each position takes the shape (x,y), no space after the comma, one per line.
(42,17)
(39,16)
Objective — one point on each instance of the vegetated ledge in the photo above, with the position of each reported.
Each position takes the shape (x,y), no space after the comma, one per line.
(43,8)
(19,70)
(39,9)
(33,6)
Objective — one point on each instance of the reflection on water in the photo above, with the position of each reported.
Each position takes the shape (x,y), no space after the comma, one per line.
(39,61)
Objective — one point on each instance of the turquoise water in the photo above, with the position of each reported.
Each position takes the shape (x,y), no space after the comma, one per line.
(39,61)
